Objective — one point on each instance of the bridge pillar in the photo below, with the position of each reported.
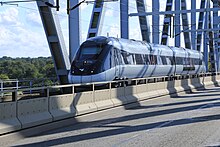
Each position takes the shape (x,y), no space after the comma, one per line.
(215,27)
(177,24)
(97,19)
(193,24)
(205,43)
(55,40)
(144,26)
(124,19)
(156,21)
(74,29)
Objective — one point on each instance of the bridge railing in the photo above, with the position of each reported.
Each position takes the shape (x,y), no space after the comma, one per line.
(54,103)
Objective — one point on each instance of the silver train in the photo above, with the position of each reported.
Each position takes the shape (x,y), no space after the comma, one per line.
(107,58)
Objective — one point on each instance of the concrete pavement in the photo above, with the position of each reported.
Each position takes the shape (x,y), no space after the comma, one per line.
(191,119)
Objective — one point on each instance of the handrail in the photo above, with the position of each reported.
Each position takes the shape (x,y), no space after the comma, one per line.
(155,80)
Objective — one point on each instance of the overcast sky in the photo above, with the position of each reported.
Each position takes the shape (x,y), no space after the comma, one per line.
(22,34)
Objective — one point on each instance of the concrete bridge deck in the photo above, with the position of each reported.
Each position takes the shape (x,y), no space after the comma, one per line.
(183,119)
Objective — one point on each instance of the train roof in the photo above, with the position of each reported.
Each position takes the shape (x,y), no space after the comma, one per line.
(141,47)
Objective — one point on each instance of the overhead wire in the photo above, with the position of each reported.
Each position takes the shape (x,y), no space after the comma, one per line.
(44,12)
(75,18)
(85,20)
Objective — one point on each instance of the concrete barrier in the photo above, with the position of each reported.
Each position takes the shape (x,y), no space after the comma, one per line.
(178,85)
(171,87)
(142,92)
(162,88)
(61,106)
(208,81)
(84,102)
(33,112)
(152,89)
(214,80)
(118,96)
(196,83)
(131,94)
(103,99)
(218,79)
(8,119)
(185,84)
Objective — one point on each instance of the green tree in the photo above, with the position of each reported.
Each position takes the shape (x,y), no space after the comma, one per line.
(3,77)
(31,68)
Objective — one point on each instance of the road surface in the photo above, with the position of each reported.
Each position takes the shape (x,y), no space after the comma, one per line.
(186,119)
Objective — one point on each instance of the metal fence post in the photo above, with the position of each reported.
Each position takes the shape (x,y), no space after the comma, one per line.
(30,87)
(15,95)
(2,94)
(17,85)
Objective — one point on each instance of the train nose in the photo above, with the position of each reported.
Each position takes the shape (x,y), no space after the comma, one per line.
(86,79)
(78,79)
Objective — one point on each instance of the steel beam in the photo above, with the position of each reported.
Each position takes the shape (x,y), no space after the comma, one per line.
(193,24)
(174,12)
(124,19)
(185,24)
(167,23)
(55,40)
(155,21)
(96,19)
(215,26)
(205,44)
(212,54)
(200,25)
(144,26)
(177,24)
(74,29)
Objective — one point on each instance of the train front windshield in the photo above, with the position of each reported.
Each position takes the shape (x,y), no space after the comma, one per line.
(89,59)
(89,53)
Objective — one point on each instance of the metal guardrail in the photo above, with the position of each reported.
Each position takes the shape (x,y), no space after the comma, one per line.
(15,84)
(47,90)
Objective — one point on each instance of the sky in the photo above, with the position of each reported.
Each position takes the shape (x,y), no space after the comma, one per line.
(22,33)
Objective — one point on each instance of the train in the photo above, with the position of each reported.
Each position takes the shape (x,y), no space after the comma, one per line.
(102,58)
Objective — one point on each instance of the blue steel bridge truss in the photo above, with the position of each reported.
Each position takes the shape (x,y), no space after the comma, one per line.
(200,33)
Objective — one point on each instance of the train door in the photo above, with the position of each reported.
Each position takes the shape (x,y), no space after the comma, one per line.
(185,63)
(117,64)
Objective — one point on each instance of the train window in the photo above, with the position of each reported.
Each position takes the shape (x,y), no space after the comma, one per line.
(130,59)
(112,56)
(186,61)
(120,58)
(139,59)
(168,61)
(200,62)
(153,59)
(116,57)
(89,53)
(133,58)
(163,58)
(146,59)
(171,60)
(124,56)
(159,61)
(179,61)
(191,60)
(196,61)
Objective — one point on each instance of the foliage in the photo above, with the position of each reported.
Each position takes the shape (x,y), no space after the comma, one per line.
(26,68)
(3,77)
